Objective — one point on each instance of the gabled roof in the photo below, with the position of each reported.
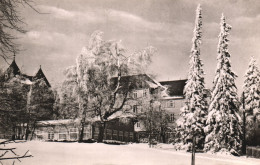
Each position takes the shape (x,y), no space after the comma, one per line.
(175,88)
(40,75)
(13,69)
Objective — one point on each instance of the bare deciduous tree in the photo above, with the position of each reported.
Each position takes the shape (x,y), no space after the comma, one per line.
(11,22)
(5,156)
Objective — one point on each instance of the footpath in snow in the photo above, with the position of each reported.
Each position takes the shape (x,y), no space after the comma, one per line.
(57,153)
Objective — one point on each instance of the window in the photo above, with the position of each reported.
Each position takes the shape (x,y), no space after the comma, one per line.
(121,135)
(62,134)
(39,135)
(109,134)
(126,135)
(50,135)
(138,125)
(73,134)
(73,130)
(135,95)
(135,108)
(145,93)
(114,136)
(131,136)
(172,117)
(171,103)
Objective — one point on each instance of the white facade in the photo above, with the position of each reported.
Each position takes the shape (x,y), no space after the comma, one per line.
(172,105)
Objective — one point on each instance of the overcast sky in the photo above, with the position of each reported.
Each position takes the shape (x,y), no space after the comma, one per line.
(54,40)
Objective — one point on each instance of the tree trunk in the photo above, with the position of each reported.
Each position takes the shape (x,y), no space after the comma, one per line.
(163,138)
(193,150)
(13,135)
(102,128)
(33,129)
(83,111)
(27,131)
(81,131)
(19,131)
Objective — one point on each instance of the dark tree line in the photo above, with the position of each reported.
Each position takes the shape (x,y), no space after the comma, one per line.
(22,105)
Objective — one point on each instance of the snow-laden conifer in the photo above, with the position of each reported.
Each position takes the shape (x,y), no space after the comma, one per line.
(223,122)
(193,114)
(251,94)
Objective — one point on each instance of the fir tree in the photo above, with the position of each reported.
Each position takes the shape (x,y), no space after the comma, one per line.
(194,112)
(251,91)
(223,122)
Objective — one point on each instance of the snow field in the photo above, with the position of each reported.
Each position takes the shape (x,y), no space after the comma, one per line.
(57,153)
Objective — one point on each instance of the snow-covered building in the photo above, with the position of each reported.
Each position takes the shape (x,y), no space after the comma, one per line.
(26,97)
(174,98)
(143,89)
(124,125)
(13,71)
(144,92)
(117,129)
(121,126)
(61,130)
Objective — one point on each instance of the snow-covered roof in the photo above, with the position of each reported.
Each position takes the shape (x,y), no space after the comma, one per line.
(151,85)
(138,81)
(27,81)
(175,88)
(121,114)
(172,97)
(58,122)
(66,121)
(156,82)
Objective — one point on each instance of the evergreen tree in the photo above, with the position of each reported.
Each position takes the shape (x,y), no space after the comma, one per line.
(223,122)
(13,98)
(194,112)
(69,104)
(251,91)
(39,105)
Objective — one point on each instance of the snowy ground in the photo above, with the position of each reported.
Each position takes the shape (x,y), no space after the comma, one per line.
(55,153)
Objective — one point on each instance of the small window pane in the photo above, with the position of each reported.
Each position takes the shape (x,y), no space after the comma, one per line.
(62,136)
(50,135)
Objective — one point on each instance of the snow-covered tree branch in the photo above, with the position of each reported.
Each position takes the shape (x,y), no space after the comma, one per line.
(96,80)
(251,96)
